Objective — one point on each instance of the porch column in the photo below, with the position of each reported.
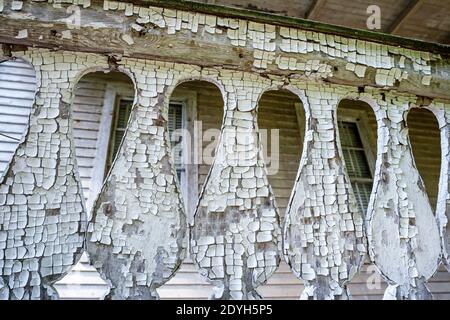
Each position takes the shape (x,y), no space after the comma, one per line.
(323,235)
(236,234)
(135,238)
(403,235)
(442,112)
(42,220)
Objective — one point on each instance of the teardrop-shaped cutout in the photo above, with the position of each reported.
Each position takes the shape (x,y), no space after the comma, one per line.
(281,122)
(101,109)
(195,115)
(425,138)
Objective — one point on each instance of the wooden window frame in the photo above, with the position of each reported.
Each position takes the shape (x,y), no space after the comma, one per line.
(190,191)
(360,119)
(365,134)
(113,92)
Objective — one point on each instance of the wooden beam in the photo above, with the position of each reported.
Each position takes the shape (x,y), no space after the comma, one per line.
(102,32)
(263,17)
(314,9)
(408,11)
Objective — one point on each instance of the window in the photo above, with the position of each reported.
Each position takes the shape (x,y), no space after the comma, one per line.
(356,162)
(175,125)
(120,120)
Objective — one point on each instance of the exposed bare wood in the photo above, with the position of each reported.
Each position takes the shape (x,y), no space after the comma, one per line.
(314,10)
(183,47)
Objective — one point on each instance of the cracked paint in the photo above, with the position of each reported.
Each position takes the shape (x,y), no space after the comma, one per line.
(135,238)
(42,217)
(236,233)
(403,234)
(324,240)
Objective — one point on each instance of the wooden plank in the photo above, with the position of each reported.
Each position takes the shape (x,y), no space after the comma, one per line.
(179,47)
(15,101)
(314,10)
(407,12)
(10,93)
(107,110)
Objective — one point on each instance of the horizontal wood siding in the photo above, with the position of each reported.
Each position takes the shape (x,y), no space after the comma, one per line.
(17,90)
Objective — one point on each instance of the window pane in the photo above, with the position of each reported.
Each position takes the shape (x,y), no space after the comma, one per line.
(362,193)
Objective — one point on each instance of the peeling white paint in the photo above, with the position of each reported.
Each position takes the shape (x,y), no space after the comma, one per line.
(403,234)
(135,238)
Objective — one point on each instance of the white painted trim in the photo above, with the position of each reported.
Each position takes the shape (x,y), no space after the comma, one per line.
(101,155)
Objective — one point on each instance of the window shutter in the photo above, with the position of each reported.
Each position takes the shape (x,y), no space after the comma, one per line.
(176,123)
(122,113)
(356,163)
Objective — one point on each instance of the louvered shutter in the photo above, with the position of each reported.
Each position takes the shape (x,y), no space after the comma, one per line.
(176,123)
(121,116)
(356,163)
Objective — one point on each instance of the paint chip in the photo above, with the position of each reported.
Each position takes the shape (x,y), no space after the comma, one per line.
(22,34)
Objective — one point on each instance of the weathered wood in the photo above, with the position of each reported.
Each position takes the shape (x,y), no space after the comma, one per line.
(45,29)
(402,231)
(313,11)
(409,10)
(324,242)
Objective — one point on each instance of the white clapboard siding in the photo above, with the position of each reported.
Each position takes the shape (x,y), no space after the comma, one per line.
(17,90)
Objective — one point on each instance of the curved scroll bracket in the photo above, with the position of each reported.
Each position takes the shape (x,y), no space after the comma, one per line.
(135,238)
(42,217)
(403,235)
(236,234)
(324,242)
